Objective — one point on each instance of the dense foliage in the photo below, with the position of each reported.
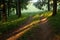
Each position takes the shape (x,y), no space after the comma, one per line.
(40,3)
(24,3)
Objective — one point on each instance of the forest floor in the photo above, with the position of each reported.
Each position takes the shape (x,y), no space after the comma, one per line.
(44,32)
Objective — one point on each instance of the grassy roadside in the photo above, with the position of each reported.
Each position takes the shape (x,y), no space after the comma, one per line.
(55,22)
(12,23)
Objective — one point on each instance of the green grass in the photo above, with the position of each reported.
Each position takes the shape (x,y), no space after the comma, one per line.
(55,22)
(12,23)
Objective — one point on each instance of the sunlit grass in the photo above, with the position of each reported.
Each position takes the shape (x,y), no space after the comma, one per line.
(47,14)
(14,21)
(44,14)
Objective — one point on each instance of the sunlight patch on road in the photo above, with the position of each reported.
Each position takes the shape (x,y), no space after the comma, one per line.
(18,35)
(43,19)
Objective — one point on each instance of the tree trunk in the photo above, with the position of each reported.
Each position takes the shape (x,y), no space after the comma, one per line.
(0,9)
(54,7)
(0,15)
(48,5)
(8,9)
(9,6)
(18,8)
(4,15)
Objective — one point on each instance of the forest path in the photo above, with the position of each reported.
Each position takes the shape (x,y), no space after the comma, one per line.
(43,33)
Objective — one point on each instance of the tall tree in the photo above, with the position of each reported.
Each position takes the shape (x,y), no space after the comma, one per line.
(39,4)
(9,6)
(18,8)
(21,4)
(54,7)
(0,15)
(48,5)
(0,9)
(4,15)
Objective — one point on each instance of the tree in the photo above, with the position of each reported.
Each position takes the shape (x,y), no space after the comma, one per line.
(0,15)
(18,5)
(54,7)
(0,10)
(18,8)
(9,6)
(24,3)
(39,4)
(48,5)
(21,4)
(4,15)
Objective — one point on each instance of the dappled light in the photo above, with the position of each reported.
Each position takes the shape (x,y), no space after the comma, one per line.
(14,20)
(24,29)
(27,27)
(47,14)
(29,19)
(15,37)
